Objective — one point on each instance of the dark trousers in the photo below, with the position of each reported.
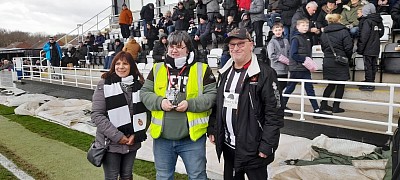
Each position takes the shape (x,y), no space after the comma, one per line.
(230,174)
(203,41)
(282,84)
(55,61)
(125,30)
(331,87)
(258,26)
(370,68)
(115,164)
(308,86)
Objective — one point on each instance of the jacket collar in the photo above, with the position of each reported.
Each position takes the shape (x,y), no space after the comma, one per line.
(253,69)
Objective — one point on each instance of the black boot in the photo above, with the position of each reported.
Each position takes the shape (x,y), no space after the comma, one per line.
(325,106)
(336,108)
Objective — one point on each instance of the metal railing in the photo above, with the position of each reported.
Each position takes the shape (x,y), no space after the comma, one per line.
(80,27)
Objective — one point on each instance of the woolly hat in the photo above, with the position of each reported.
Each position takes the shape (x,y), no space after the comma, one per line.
(368,9)
(244,14)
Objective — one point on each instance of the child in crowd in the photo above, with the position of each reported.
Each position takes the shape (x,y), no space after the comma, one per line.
(300,50)
(230,25)
(218,31)
(368,44)
(278,52)
(192,29)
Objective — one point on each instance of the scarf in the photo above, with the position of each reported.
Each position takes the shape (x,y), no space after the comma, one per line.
(117,106)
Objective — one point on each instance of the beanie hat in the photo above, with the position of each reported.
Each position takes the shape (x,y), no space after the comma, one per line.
(368,9)
(244,14)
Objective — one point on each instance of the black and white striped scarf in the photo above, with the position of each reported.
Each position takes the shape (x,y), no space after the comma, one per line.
(117,105)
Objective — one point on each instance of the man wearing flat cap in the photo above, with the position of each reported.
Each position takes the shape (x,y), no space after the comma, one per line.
(248,111)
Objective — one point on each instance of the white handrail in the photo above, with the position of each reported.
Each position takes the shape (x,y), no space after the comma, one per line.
(390,103)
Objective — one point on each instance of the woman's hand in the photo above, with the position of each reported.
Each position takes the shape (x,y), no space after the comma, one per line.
(123,140)
(166,105)
(131,140)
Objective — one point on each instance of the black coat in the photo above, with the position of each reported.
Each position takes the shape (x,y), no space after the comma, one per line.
(395,13)
(201,9)
(288,8)
(259,117)
(159,50)
(152,33)
(371,30)
(147,13)
(181,24)
(342,44)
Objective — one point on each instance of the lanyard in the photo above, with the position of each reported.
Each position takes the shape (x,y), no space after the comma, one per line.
(169,75)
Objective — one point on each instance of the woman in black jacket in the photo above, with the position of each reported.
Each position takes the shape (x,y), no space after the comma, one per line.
(342,43)
(181,18)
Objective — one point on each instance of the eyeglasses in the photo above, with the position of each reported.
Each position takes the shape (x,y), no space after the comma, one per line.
(176,47)
(239,45)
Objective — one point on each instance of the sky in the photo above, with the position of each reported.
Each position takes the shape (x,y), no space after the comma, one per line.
(49,16)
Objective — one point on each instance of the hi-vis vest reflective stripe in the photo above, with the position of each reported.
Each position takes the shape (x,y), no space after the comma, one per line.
(198,122)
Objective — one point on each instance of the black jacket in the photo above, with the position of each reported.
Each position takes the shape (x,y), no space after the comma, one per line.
(229,4)
(260,116)
(181,24)
(218,25)
(342,44)
(159,50)
(371,30)
(152,33)
(147,13)
(201,9)
(288,8)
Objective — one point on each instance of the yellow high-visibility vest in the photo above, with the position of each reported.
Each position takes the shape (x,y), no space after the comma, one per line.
(198,122)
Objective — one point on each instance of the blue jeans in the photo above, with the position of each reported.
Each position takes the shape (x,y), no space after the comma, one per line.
(192,153)
(286,32)
(115,164)
(308,86)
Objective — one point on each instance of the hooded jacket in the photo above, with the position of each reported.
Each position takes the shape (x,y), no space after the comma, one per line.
(159,50)
(342,44)
(260,116)
(133,48)
(125,17)
(371,30)
(274,51)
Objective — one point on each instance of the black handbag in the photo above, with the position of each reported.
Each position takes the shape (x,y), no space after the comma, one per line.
(338,59)
(95,154)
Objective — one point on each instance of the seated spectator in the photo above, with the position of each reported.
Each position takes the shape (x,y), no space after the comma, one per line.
(203,33)
(192,29)
(98,42)
(230,25)
(160,49)
(181,18)
(152,35)
(132,47)
(246,23)
(117,47)
(69,57)
(218,31)
(81,51)
(165,21)
(7,65)
(350,18)
(329,8)
(90,39)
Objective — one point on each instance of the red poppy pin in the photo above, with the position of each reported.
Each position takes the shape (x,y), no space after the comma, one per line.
(254,78)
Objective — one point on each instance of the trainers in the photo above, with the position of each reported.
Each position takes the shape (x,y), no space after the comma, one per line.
(366,88)
(288,114)
(321,112)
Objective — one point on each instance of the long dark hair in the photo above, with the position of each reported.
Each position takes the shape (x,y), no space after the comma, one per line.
(127,57)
